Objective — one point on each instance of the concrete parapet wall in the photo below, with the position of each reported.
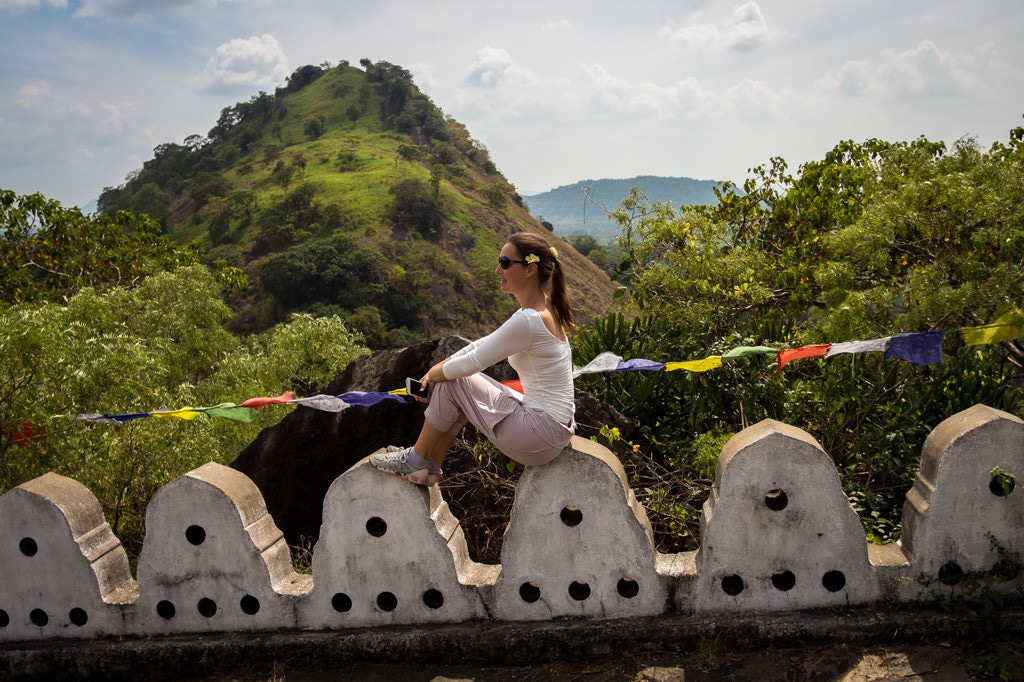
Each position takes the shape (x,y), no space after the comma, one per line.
(777,536)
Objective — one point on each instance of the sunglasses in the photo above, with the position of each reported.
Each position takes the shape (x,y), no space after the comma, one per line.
(504,262)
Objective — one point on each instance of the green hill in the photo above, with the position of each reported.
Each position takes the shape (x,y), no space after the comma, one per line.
(578,208)
(348,191)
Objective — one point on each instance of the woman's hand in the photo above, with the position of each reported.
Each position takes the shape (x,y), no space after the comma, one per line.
(436,374)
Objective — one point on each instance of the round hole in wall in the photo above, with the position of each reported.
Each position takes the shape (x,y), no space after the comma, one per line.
(207,607)
(38,617)
(579,590)
(951,574)
(571,516)
(165,609)
(776,500)
(341,602)
(376,526)
(28,546)
(529,592)
(628,588)
(5,620)
(833,581)
(195,535)
(433,598)
(1000,486)
(78,616)
(386,601)
(783,580)
(732,585)
(250,605)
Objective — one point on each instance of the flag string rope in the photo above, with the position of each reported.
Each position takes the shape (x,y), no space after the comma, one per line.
(921,348)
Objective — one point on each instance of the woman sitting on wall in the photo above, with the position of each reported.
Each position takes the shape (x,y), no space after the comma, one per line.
(532,427)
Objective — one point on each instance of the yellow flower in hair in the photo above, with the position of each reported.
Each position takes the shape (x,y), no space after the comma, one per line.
(554,252)
(532,258)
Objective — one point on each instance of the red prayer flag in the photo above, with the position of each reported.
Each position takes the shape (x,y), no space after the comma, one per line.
(514,384)
(282,399)
(813,351)
(27,433)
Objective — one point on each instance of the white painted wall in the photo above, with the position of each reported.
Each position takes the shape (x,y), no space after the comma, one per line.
(778,535)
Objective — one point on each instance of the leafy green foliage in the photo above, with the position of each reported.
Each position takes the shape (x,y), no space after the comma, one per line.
(874,240)
(161,344)
(418,204)
(48,251)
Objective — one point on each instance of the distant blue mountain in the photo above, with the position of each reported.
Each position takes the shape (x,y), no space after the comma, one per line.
(570,211)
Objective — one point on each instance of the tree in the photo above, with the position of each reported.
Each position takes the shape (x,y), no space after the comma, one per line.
(159,345)
(874,240)
(584,243)
(315,127)
(152,201)
(47,251)
(205,185)
(418,204)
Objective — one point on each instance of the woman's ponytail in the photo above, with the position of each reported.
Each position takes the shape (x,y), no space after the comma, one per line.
(561,297)
(550,269)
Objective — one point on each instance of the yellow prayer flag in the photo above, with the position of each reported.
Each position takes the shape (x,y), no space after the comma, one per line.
(710,362)
(1005,328)
(186,413)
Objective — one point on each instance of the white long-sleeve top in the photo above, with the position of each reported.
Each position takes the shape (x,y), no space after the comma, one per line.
(543,362)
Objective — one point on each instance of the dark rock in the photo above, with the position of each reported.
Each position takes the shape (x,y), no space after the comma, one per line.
(294,462)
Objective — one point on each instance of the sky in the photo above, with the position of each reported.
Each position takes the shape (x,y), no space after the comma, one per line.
(558,91)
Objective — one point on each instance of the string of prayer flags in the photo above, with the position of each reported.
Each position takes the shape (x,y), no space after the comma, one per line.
(324,403)
(282,399)
(708,363)
(873,345)
(639,365)
(747,351)
(1006,328)
(25,434)
(604,362)
(369,398)
(185,413)
(229,411)
(921,348)
(515,384)
(787,356)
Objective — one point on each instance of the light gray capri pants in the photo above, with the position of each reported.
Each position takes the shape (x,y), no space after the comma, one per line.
(528,435)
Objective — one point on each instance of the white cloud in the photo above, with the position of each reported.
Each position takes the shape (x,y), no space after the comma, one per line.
(554,25)
(495,66)
(754,101)
(40,99)
(922,72)
(22,5)
(744,30)
(132,9)
(616,94)
(243,63)
(685,99)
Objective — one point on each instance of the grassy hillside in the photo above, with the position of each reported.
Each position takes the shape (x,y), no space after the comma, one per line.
(348,191)
(576,208)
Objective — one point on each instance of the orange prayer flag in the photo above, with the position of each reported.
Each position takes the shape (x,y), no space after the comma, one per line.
(813,351)
(514,384)
(282,399)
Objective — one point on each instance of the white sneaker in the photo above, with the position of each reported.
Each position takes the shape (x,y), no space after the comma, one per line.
(395,460)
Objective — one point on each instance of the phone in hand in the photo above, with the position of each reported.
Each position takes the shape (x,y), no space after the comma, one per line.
(416,389)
